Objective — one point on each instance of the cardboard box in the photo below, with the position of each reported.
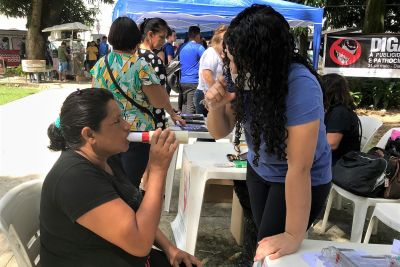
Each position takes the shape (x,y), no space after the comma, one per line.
(218,191)
(237,220)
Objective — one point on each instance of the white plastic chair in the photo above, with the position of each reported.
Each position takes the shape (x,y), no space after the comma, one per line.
(369,127)
(19,220)
(382,142)
(361,204)
(388,213)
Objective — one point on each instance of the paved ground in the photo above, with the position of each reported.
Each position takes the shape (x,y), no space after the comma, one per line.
(24,156)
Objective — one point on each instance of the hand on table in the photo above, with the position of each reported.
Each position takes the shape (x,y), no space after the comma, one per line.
(177,256)
(277,246)
(178,119)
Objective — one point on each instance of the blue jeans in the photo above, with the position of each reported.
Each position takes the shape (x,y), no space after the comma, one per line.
(198,97)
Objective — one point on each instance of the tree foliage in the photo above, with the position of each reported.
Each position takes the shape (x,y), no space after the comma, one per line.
(68,10)
(351,13)
(45,13)
(15,8)
(75,10)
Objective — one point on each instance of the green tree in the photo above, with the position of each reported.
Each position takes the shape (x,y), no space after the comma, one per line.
(45,13)
(374,21)
(354,13)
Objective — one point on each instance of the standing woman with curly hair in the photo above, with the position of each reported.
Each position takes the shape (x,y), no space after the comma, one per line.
(278,103)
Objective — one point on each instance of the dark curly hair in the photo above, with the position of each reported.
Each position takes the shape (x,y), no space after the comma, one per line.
(261,44)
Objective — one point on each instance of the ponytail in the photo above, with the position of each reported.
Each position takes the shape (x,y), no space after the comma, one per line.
(57,141)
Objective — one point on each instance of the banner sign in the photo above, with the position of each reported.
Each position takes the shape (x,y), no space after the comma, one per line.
(11,57)
(358,55)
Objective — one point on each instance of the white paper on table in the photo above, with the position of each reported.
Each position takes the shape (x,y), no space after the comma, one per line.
(311,258)
(396,247)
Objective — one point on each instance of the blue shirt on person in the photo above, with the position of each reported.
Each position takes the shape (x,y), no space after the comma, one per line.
(304,104)
(103,49)
(168,51)
(189,58)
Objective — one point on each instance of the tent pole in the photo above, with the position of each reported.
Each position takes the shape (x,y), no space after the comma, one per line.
(72,53)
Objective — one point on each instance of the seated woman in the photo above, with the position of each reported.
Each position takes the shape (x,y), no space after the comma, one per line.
(342,123)
(91,214)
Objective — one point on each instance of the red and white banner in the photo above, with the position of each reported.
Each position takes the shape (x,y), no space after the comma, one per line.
(11,57)
(358,55)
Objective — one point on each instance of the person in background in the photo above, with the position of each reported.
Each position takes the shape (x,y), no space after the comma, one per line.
(90,212)
(103,47)
(92,53)
(22,49)
(278,103)
(168,47)
(49,60)
(63,61)
(342,123)
(189,57)
(210,68)
(168,53)
(5,44)
(153,32)
(138,80)
(204,43)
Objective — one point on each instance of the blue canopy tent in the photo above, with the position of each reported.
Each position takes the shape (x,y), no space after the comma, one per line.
(209,14)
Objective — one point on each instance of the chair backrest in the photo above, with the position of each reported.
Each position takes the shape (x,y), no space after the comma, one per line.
(382,142)
(369,127)
(19,220)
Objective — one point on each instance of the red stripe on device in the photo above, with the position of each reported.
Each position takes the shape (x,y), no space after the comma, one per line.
(146,137)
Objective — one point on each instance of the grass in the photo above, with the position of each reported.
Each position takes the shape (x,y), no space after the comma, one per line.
(10,93)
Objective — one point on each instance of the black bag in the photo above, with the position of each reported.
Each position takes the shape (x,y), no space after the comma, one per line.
(391,155)
(360,173)
(173,71)
(393,147)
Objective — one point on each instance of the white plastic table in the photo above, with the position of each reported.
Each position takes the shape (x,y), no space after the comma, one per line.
(297,260)
(199,165)
(172,167)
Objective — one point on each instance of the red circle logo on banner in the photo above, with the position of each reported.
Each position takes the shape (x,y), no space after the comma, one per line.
(345,52)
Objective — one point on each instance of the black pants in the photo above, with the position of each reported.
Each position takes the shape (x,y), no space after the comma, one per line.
(268,203)
(158,259)
(188,90)
(250,229)
(134,161)
(200,108)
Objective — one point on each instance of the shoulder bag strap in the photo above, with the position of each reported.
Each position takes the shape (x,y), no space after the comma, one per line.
(133,102)
(360,130)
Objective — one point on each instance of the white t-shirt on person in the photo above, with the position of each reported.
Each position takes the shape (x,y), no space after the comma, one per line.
(210,60)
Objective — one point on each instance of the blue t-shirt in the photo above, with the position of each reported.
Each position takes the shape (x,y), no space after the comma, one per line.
(103,49)
(189,57)
(304,104)
(168,51)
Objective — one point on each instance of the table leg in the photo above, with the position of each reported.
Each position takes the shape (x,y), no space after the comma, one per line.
(169,181)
